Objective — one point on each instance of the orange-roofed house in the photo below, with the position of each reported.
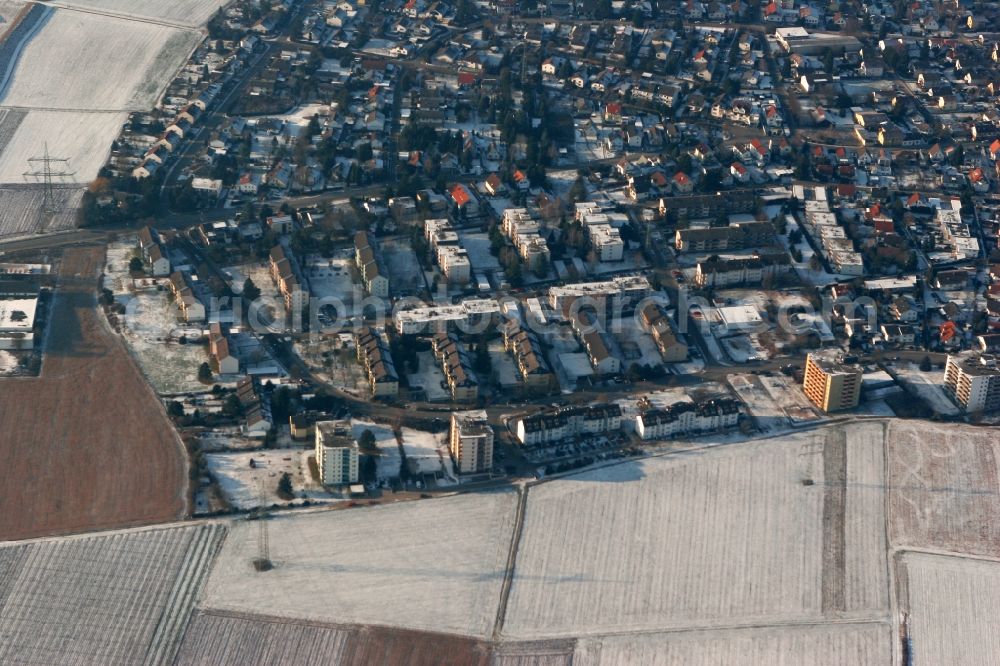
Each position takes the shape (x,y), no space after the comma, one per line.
(682,183)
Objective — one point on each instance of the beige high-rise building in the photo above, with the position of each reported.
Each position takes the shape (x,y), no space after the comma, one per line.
(831,385)
(974,381)
(471,441)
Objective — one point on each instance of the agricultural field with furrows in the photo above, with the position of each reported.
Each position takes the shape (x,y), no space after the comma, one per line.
(832,645)
(865,560)
(123,598)
(760,539)
(188,13)
(10,121)
(435,565)
(943,487)
(84,139)
(953,603)
(223,639)
(20,210)
(89,438)
(85,62)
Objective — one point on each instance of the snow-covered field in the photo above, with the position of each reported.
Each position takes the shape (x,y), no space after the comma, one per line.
(19,210)
(82,138)
(117,599)
(188,13)
(738,534)
(435,564)
(953,604)
(81,61)
(943,487)
(816,646)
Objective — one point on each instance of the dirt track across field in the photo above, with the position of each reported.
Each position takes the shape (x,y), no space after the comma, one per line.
(87,445)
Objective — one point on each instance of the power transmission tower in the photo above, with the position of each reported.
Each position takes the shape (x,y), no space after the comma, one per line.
(263,561)
(48,169)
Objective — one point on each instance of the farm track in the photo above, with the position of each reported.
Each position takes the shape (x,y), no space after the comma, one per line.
(116,15)
(88,442)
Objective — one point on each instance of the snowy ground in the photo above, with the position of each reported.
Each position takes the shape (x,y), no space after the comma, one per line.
(331,278)
(82,138)
(427,453)
(952,603)
(243,485)
(151,329)
(389,456)
(20,206)
(405,275)
(187,13)
(860,643)
(790,397)
(429,377)
(478,246)
(81,61)
(607,551)
(435,565)
(636,344)
(928,385)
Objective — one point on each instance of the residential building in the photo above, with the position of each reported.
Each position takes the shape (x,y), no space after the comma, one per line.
(563,423)
(656,321)
(373,354)
(471,442)
(182,287)
(336,453)
(830,384)
(683,418)
(369,263)
(974,381)
(535,371)
(737,236)
(218,344)
(608,297)
(717,272)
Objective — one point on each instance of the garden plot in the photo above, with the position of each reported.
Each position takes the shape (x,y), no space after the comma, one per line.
(427,453)
(186,13)
(928,385)
(436,565)
(609,551)
(243,485)
(119,599)
(80,62)
(84,139)
(818,646)
(953,605)
(943,487)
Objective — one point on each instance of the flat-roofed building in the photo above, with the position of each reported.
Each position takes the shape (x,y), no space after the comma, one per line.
(830,384)
(336,453)
(471,441)
(974,381)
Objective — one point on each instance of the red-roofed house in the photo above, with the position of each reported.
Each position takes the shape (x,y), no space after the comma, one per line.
(682,183)
(739,172)
(995,150)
